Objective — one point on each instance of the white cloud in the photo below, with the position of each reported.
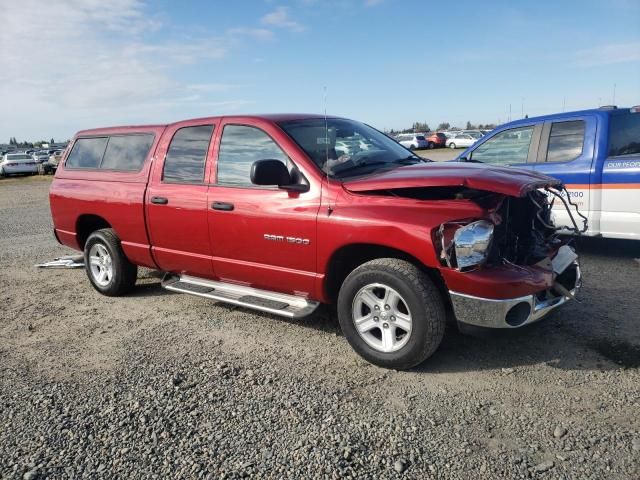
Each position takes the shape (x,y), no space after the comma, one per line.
(257,33)
(609,54)
(83,63)
(280,18)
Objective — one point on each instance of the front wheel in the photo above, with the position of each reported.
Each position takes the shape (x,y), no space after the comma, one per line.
(431,145)
(452,145)
(391,313)
(109,270)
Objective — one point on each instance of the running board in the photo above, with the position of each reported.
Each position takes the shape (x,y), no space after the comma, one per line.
(263,300)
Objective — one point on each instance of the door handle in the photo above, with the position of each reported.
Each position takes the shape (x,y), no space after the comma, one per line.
(224,206)
(159,200)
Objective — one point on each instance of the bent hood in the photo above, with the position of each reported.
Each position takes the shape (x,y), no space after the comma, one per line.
(508,181)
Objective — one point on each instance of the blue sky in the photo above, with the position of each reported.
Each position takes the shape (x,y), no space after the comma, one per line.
(77,64)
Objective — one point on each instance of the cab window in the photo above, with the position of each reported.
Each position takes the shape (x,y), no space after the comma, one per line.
(240,146)
(187,155)
(566,140)
(624,134)
(506,148)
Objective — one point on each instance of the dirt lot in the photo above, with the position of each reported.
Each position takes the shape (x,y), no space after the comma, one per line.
(161,385)
(440,154)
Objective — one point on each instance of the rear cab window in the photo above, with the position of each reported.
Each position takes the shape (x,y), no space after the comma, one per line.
(187,155)
(566,141)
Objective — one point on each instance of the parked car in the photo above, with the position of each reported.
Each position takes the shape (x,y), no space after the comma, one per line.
(474,133)
(51,165)
(15,163)
(460,140)
(270,218)
(412,141)
(436,140)
(40,156)
(596,154)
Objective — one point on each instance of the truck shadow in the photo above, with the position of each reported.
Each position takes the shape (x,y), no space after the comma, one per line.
(601,332)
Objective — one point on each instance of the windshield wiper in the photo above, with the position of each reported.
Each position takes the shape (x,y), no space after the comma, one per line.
(412,159)
(358,166)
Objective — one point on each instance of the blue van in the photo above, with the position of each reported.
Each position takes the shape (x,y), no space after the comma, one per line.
(596,153)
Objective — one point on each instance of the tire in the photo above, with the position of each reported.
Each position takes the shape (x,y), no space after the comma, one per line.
(419,301)
(120,277)
(452,145)
(431,146)
(412,147)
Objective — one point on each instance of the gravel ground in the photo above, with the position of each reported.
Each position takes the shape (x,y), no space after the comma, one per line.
(163,385)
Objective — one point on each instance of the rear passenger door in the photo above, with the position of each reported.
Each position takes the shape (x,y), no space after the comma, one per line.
(176,199)
(566,152)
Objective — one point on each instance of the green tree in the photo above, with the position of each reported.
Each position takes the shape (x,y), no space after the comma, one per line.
(444,126)
(470,126)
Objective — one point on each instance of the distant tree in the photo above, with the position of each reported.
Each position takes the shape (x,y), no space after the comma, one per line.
(444,126)
(470,125)
(420,127)
(52,141)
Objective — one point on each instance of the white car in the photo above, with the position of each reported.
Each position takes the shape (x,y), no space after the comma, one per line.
(412,141)
(461,140)
(13,163)
(41,156)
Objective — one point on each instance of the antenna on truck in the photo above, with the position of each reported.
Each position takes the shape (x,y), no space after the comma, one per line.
(326,150)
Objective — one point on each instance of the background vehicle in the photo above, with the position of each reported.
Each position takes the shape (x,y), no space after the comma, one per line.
(436,140)
(596,154)
(412,141)
(272,217)
(40,156)
(16,163)
(51,165)
(460,140)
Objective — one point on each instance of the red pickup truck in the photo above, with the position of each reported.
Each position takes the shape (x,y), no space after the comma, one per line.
(275,213)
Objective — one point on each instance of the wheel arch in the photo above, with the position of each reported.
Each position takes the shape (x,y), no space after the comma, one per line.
(88,223)
(348,257)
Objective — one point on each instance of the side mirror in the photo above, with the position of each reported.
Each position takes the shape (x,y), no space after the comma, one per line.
(274,172)
(270,172)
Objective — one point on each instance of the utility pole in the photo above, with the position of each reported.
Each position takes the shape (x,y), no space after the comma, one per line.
(509,112)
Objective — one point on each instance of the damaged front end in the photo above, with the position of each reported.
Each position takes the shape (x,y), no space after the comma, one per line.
(518,244)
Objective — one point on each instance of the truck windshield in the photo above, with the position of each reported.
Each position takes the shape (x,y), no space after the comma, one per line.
(345,148)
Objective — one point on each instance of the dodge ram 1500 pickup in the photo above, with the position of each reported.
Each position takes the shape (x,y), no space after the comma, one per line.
(280,213)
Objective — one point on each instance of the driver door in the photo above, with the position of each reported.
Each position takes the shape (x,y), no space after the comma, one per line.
(262,237)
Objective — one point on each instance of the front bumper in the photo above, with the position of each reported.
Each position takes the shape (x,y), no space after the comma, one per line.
(508,313)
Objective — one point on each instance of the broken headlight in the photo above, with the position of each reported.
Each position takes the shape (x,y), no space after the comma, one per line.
(465,245)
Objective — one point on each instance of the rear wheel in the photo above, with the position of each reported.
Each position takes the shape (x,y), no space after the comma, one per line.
(431,145)
(412,147)
(391,313)
(108,269)
(452,145)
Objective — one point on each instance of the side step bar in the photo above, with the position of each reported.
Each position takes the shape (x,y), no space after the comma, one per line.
(263,300)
